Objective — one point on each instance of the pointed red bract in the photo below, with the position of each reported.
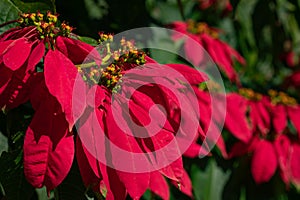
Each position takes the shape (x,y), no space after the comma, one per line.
(192,76)
(264,162)
(75,50)
(185,185)
(282,146)
(159,186)
(295,164)
(236,121)
(196,53)
(6,75)
(260,116)
(85,167)
(48,149)
(219,51)
(16,55)
(15,85)
(60,76)
(279,118)
(293,114)
(220,54)
(115,188)
(135,183)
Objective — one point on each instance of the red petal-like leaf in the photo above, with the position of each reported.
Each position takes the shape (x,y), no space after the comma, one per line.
(294,113)
(75,50)
(236,120)
(135,183)
(47,142)
(185,185)
(43,153)
(264,162)
(87,173)
(6,75)
(295,165)
(115,188)
(61,76)
(162,148)
(35,56)
(193,151)
(260,116)
(16,91)
(220,54)
(192,75)
(90,132)
(194,50)
(279,118)
(282,146)
(17,54)
(45,165)
(4,46)
(159,186)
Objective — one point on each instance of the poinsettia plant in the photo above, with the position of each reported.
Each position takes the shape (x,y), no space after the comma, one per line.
(202,105)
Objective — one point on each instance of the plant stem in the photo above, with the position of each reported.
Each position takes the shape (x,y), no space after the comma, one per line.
(9,22)
(53,5)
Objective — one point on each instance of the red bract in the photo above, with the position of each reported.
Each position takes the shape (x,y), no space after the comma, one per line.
(239,108)
(48,139)
(61,84)
(19,54)
(264,161)
(282,109)
(211,114)
(207,38)
(46,146)
(121,121)
(127,143)
(271,141)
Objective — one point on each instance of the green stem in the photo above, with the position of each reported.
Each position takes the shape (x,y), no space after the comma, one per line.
(86,65)
(56,194)
(53,5)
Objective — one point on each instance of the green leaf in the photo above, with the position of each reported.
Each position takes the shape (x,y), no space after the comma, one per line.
(208,184)
(162,44)
(8,12)
(88,40)
(243,14)
(72,187)
(165,12)
(97,9)
(10,9)
(12,177)
(3,143)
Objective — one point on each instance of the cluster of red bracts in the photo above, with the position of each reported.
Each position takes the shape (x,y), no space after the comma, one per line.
(67,106)
(268,128)
(49,146)
(200,34)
